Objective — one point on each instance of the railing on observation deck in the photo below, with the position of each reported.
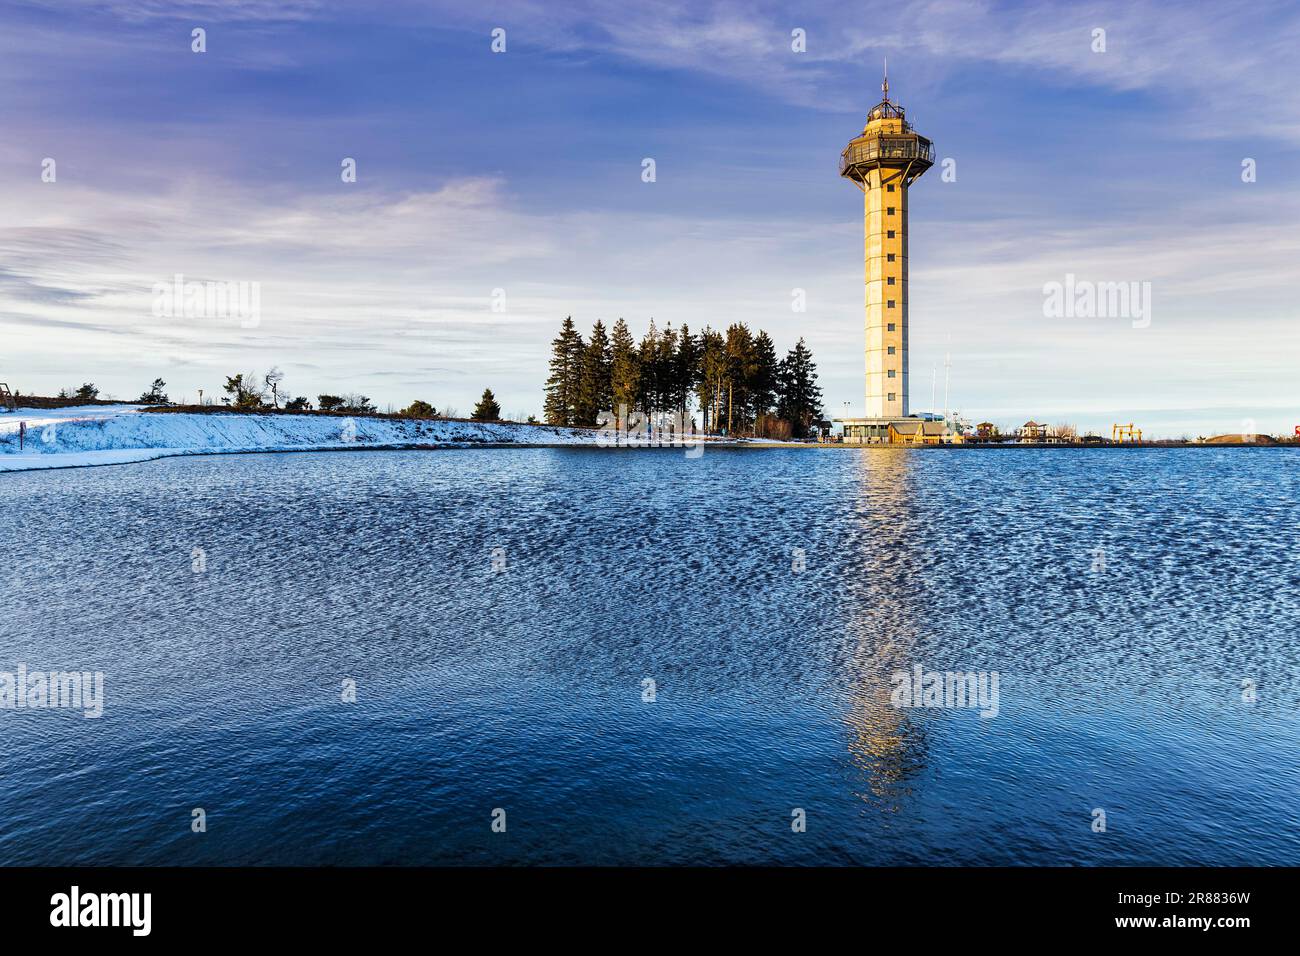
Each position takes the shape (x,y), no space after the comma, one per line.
(885,148)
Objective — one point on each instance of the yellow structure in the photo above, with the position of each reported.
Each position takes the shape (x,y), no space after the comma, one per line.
(1125,433)
(915,431)
(884,162)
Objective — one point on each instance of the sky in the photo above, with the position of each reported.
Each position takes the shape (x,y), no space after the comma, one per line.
(498,192)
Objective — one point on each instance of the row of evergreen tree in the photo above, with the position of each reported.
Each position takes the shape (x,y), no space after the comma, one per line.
(733,378)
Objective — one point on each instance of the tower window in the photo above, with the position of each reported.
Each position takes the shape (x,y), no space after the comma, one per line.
(889,257)
(892,327)
(889,281)
(890,374)
(891,350)
(891,210)
(893,397)
(890,187)
(891,303)
(889,234)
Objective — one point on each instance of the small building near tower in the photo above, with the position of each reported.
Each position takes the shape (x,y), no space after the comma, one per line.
(1032,431)
(917,432)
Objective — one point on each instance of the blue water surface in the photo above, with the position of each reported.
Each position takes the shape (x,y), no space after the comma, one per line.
(502,611)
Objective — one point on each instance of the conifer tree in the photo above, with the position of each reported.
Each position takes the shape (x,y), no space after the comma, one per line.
(712,377)
(687,369)
(417,409)
(763,385)
(594,384)
(740,371)
(666,370)
(157,394)
(625,368)
(566,370)
(800,401)
(648,359)
(487,409)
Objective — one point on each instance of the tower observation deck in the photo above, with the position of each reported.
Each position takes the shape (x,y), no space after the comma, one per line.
(884,162)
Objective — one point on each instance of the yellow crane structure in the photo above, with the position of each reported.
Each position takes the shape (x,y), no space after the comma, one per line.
(1127,432)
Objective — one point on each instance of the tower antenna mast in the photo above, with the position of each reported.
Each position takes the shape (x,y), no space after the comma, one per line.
(947,366)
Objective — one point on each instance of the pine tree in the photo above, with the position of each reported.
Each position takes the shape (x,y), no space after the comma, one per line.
(487,409)
(687,365)
(594,389)
(740,372)
(417,409)
(800,401)
(648,359)
(763,385)
(566,371)
(244,391)
(712,377)
(666,368)
(625,368)
(157,394)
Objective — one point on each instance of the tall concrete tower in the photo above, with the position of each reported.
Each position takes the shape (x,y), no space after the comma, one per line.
(884,162)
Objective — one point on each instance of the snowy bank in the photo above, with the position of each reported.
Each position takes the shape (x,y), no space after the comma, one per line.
(114,434)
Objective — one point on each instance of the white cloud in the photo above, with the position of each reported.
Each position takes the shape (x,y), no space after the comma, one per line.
(1220,70)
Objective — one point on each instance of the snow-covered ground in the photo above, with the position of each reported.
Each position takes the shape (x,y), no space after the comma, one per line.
(114,434)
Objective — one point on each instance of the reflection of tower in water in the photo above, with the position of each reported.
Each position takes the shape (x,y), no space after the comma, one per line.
(882,600)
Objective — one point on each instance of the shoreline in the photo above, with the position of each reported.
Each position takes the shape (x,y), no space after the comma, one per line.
(150,455)
(1044,446)
(99,436)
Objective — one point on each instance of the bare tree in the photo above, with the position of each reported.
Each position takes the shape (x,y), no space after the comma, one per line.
(1064,430)
(271,381)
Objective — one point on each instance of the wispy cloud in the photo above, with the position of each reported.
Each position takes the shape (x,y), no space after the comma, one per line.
(1219,70)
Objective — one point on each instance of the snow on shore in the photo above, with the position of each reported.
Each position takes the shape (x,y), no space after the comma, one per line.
(113,434)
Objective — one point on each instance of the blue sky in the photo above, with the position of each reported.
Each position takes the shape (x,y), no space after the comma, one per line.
(521,171)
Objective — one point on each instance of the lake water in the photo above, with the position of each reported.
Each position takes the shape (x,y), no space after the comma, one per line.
(500,612)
